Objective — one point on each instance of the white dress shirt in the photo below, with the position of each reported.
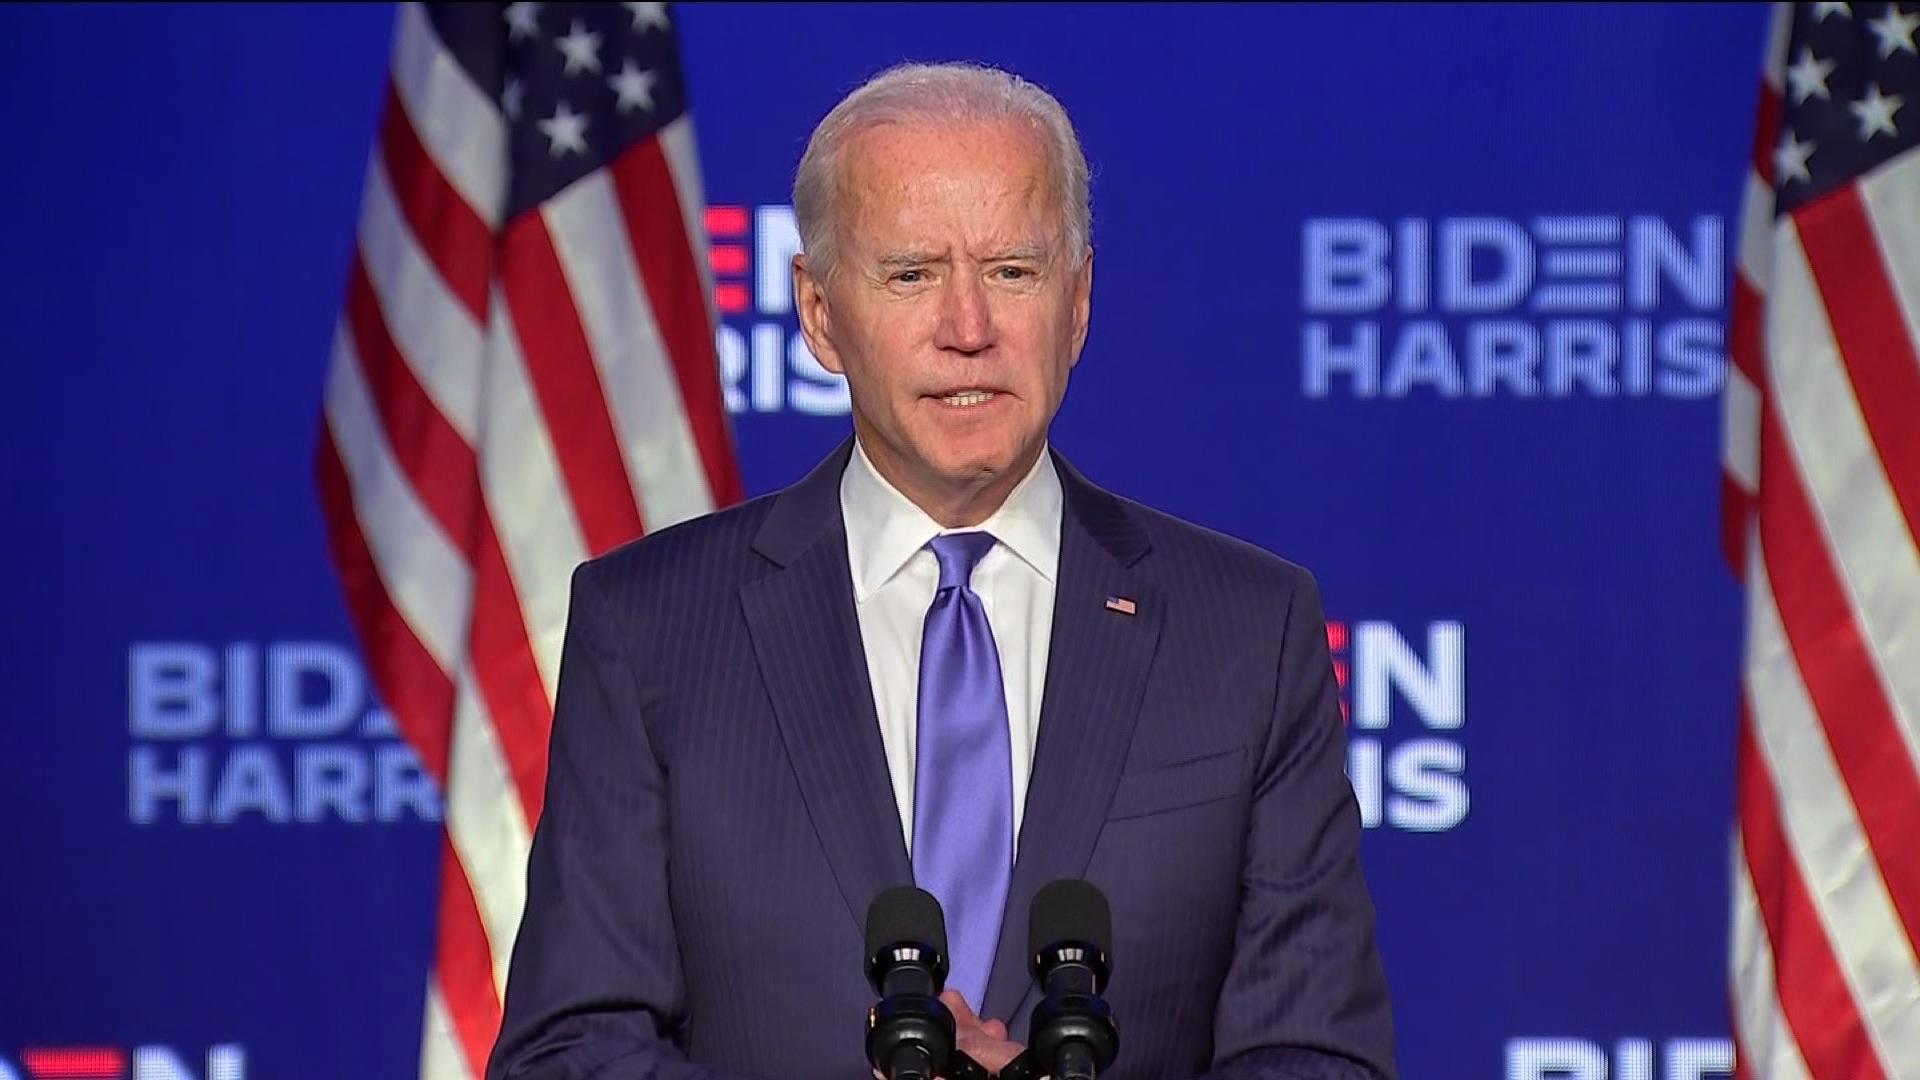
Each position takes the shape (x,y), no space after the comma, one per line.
(895,575)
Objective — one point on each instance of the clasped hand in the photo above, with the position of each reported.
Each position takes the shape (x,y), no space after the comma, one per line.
(985,1041)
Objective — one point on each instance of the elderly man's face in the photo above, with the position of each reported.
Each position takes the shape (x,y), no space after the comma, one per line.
(955,312)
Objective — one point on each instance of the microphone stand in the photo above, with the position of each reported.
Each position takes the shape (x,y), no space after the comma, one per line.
(1024,1067)
(912,1034)
(961,1066)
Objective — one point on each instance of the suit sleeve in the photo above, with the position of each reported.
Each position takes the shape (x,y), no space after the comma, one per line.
(595,987)
(1305,997)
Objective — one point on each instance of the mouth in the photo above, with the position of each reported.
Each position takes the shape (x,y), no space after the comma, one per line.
(963,399)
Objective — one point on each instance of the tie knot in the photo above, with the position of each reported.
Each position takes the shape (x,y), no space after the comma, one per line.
(959,553)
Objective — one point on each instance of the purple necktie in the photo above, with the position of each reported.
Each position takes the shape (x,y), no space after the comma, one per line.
(963,769)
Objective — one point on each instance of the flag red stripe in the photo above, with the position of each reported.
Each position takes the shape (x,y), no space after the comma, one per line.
(1814,998)
(1871,330)
(567,385)
(1766,132)
(435,458)
(509,678)
(1747,332)
(1838,671)
(453,235)
(1736,515)
(1746,349)
(411,684)
(669,266)
(464,964)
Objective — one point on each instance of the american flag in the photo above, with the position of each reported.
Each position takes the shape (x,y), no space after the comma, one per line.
(523,376)
(1822,501)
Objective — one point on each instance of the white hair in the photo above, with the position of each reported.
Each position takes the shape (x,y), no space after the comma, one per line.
(941,95)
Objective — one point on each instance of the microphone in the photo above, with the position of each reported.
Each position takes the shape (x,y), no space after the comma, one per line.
(1071,1034)
(910,1034)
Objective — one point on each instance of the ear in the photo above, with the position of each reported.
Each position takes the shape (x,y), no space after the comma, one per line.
(1082,304)
(816,318)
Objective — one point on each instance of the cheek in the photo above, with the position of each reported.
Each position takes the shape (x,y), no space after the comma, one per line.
(886,354)
(1046,350)
(874,376)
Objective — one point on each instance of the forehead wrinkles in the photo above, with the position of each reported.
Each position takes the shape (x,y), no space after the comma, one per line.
(982,178)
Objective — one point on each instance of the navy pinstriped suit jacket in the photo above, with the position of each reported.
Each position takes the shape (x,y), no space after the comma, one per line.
(718,814)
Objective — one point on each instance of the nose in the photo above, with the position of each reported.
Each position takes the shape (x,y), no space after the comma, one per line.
(966,321)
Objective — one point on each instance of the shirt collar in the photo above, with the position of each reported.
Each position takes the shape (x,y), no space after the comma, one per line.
(885,528)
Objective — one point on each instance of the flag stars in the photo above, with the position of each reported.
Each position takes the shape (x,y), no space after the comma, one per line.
(1790,160)
(1895,31)
(1847,97)
(645,15)
(566,131)
(582,49)
(1808,77)
(1875,113)
(513,98)
(523,21)
(634,87)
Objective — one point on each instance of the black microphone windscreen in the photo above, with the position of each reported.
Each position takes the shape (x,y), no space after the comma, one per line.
(904,913)
(1070,910)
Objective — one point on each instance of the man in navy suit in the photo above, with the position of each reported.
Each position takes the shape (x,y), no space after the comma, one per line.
(946,658)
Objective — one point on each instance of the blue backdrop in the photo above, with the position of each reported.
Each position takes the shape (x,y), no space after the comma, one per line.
(1430,298)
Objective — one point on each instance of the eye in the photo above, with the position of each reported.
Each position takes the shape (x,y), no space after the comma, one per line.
(910,277)
(1012,273)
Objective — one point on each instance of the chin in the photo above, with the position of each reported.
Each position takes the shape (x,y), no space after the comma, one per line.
(961,457)
(982,466)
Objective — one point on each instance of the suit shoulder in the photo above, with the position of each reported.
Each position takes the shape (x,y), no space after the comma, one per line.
(1218,557)
(708,548)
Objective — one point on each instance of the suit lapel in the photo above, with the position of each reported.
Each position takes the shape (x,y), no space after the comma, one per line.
(806,638)
(1097,668)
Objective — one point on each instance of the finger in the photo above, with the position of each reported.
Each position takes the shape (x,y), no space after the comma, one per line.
(956,1004)
(993,1029)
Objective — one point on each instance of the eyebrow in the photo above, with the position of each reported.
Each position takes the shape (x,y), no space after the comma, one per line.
(1020,253)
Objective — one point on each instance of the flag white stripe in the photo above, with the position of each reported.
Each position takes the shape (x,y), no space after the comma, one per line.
(1740,445)
(1892,197)
(1779,33)
(1755,257)
(432,329)
(460,127)
(682,152)
(1740,450)
(486,822)
(636,372)
(440,1055)
(1825,838)
(1861,523)
(534,518)
(1771,1051)
(426,579)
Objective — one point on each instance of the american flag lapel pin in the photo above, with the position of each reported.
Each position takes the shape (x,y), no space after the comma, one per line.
(1121,604)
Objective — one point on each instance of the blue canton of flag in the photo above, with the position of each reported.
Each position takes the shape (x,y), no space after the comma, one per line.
(578,83)
(1844,110)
